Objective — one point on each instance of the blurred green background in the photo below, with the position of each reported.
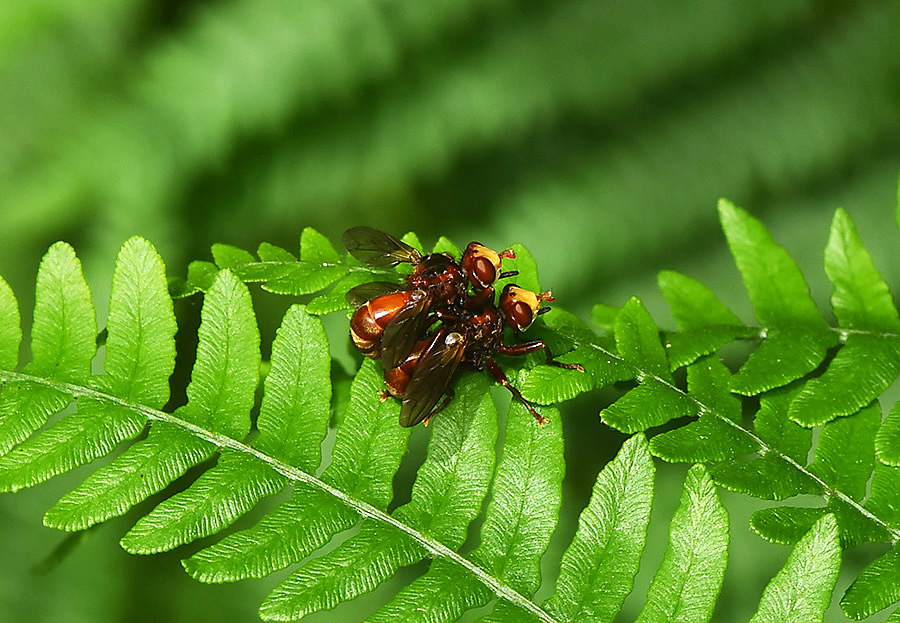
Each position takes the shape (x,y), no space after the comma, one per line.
(597,133)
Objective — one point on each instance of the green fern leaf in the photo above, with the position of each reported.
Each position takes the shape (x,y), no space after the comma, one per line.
(774,475)
(140,349)
(861,299)
(228,256)
(884,500)
(845,453)
(447,495)
(876,587)
(140,356)
(529,480)
(887,441)
(277,269)
(355,567)
(704,323)
(599,566)
(334,300)
(637,339)
(63,338)
(200,276)
(844,461)
(709,437)
(604,317)
(517,529)
(785,355)
(688,580)
(796,337)
(773,281)
(777,430)
(445,245)
(550,384)
(869,360)
(220,396)
(314,247)
(298,383)
(769,459)
(283,537)
(268,252)
(319,267)
(366,454)
(10,329)
(63,343)
(802,589)
(785,524)
(765,455)
(655,401)
(215,500)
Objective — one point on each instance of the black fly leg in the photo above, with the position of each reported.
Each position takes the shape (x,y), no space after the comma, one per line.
(525,348)
(500,377)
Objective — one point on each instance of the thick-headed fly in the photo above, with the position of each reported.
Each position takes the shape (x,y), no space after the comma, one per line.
(469,341)
(390,318)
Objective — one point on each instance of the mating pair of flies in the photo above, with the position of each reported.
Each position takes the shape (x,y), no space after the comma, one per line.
(427,329)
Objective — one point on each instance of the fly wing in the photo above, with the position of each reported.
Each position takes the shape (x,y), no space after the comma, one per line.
(433,374)
(402,333)
(365,292)
(376,248)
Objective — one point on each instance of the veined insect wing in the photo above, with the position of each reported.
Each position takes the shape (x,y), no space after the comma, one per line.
(376,248)
(432,377)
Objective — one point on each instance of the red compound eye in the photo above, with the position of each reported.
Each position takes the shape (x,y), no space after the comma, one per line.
(484,272)
(522,316)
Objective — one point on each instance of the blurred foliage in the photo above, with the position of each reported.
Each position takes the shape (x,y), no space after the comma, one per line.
(597,133)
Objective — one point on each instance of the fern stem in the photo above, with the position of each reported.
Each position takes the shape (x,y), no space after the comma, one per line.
(764,447)
(436,548)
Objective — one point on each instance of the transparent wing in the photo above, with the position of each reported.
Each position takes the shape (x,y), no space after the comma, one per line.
(376,248)
(363,293)
(402,333)
(432,376)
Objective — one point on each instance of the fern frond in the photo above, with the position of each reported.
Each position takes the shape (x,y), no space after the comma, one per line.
(767,457)
(598,567)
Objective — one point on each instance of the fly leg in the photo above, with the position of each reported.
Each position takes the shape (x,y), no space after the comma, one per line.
(447,398)
(500,377)
(533,346)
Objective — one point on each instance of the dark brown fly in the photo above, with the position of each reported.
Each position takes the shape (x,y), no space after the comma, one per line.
(469,341)
(391,318)
(430,327)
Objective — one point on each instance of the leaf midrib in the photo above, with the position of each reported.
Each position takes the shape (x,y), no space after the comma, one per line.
(764,447)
